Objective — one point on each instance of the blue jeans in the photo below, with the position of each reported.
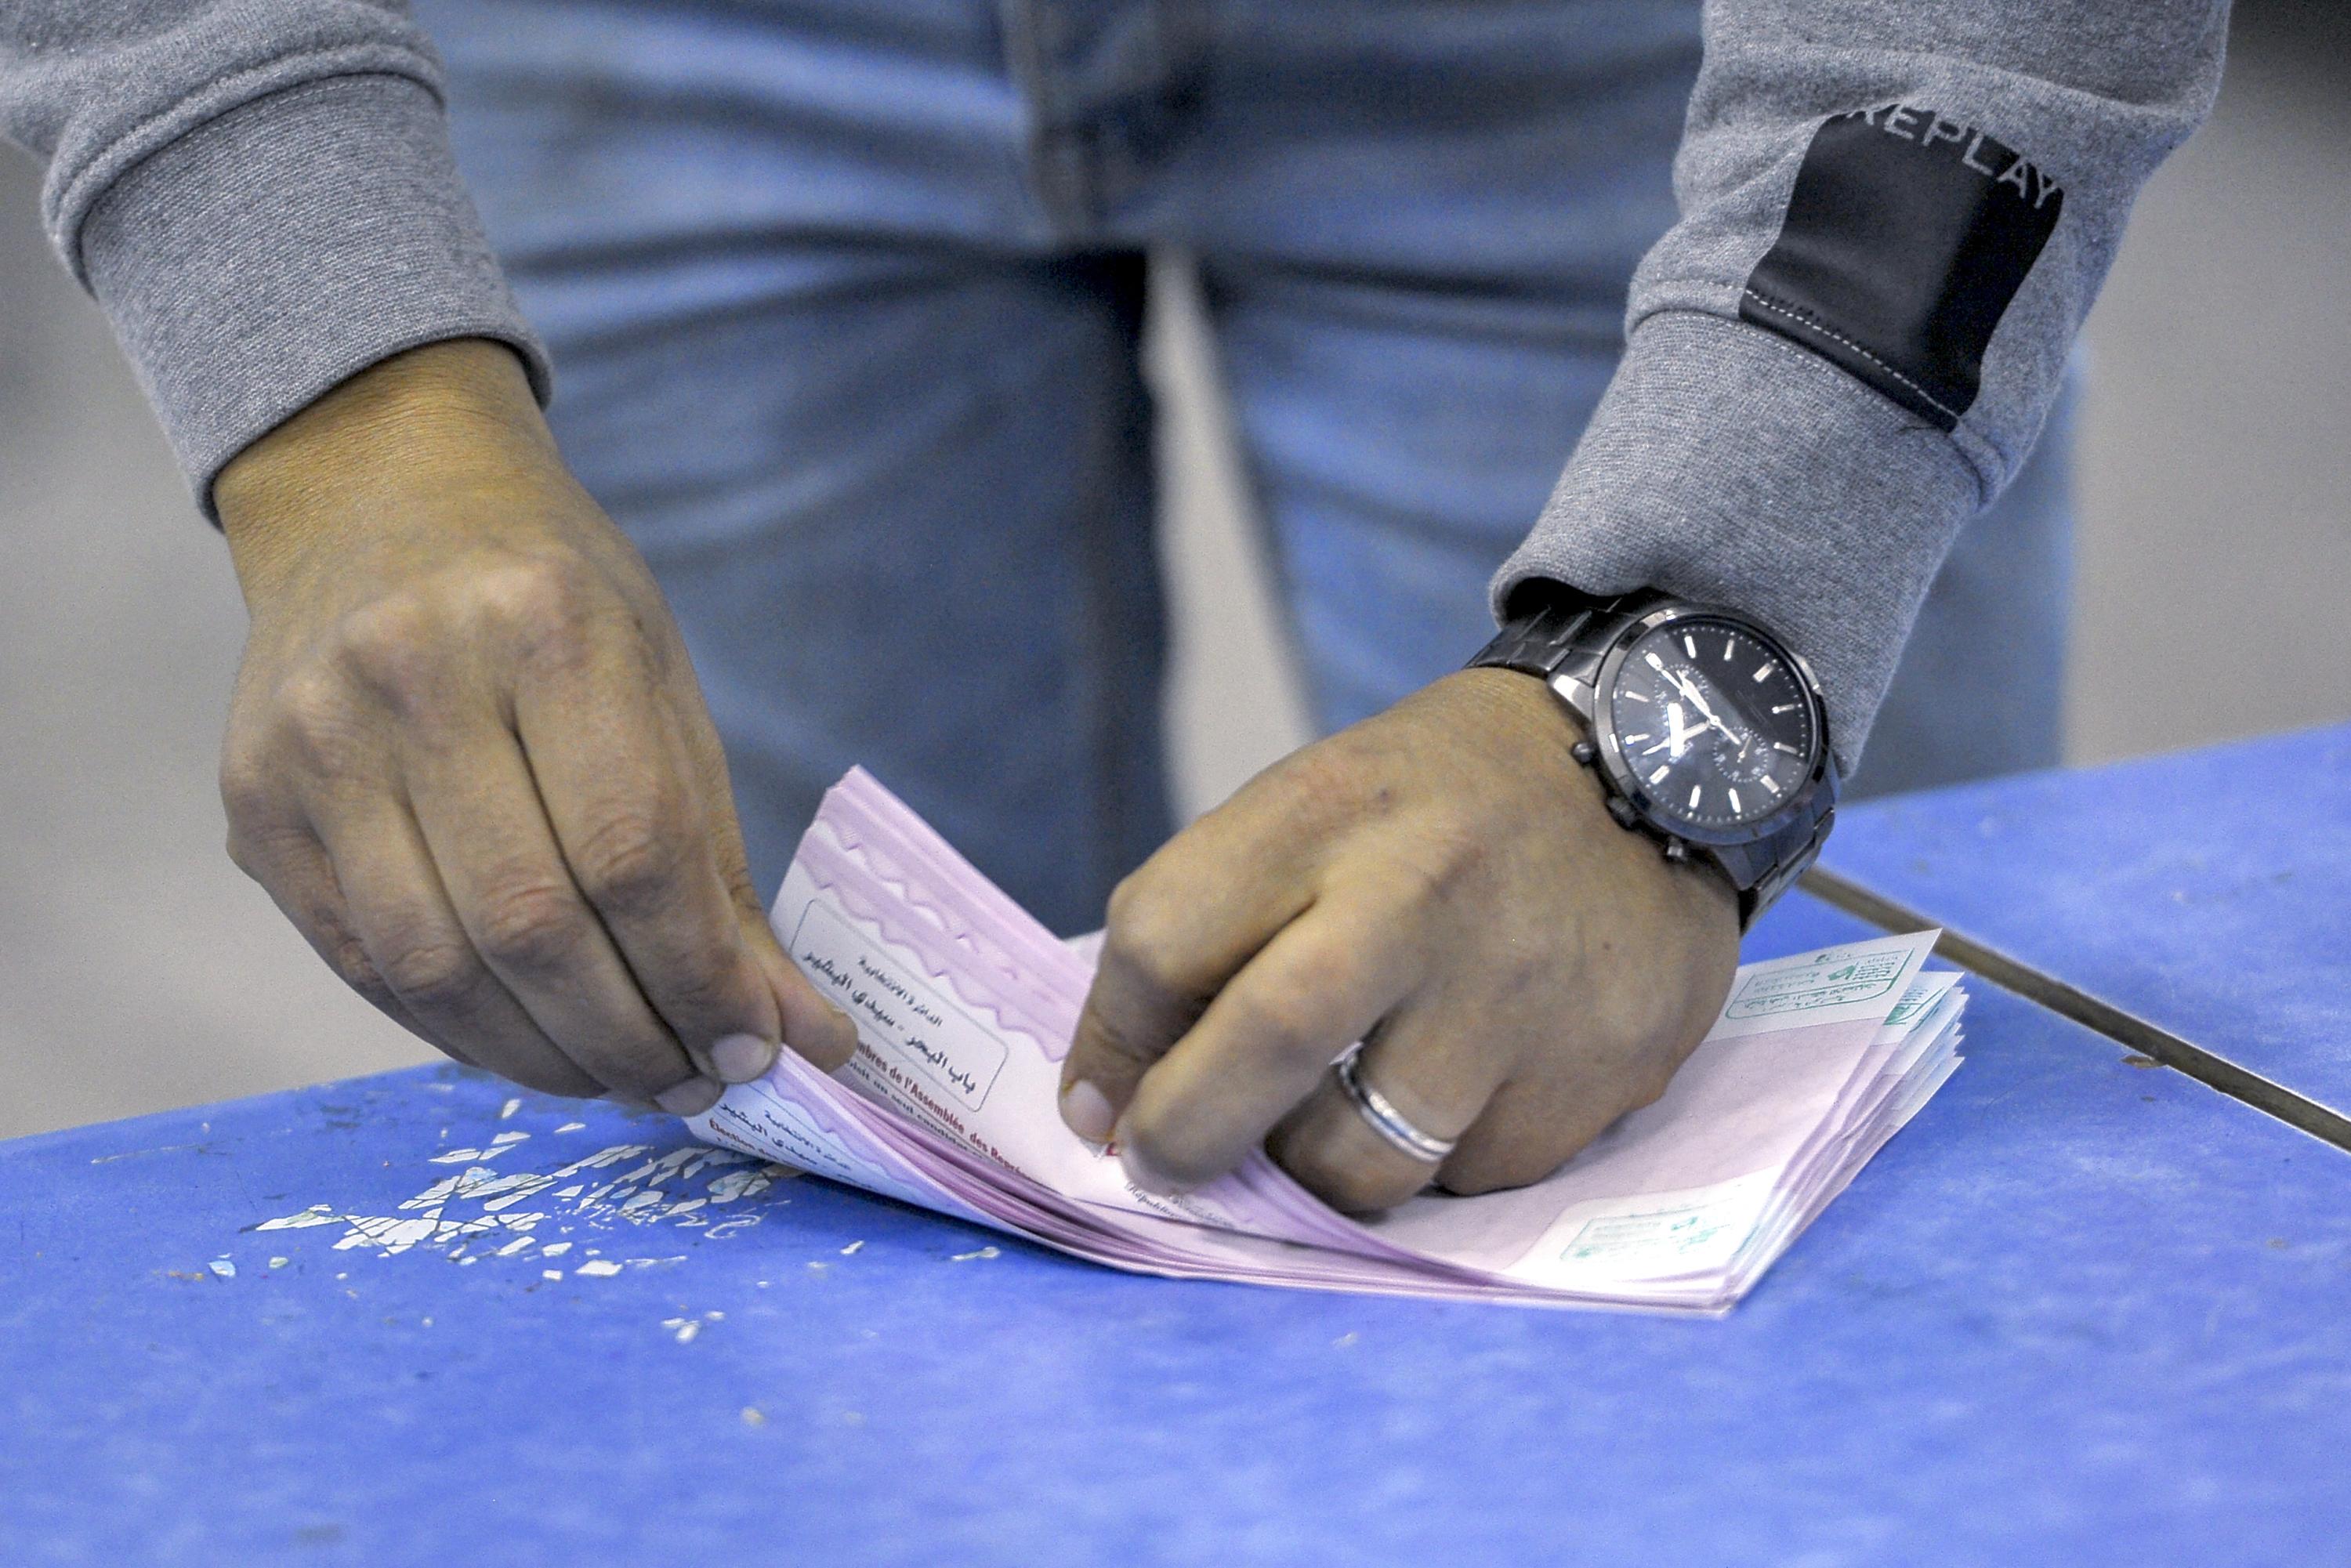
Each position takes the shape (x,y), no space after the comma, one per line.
(845,299)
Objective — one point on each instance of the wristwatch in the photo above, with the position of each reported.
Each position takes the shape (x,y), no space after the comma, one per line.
(1705,731)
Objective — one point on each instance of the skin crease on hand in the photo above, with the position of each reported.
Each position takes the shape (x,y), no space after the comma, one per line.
(467,756)
(1441,881)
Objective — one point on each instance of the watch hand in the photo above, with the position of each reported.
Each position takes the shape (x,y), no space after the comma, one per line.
(1737,737)
(1690,691)
(1678,734)
(1740,738)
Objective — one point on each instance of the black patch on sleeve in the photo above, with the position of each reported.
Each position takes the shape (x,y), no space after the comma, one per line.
(1907,236)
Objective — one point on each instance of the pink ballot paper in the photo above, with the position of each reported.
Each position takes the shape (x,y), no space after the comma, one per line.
(965,1008)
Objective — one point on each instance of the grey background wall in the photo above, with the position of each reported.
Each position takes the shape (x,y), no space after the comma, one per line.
(138,970)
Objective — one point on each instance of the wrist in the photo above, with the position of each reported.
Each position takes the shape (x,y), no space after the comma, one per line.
(1528,703)
(445,418)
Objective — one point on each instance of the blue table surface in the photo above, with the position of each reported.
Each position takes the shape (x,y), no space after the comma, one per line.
(2207,892)
(2078,1313)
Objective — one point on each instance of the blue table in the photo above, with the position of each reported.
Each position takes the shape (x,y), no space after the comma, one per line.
(2208,893)
(2079,1313)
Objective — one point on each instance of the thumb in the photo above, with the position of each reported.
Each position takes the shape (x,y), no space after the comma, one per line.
(812,1026)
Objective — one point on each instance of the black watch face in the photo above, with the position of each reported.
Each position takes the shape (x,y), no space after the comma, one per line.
(1714,722)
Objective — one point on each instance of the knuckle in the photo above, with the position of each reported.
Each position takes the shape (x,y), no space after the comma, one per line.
(248,794)
(627,859)
(546,607)
(699,983)
(432,975)
(351,964)
(699,986)
(399,647)
(528,923)
(1283,1025)
(1139,935)
(315,721)
(245,850)
(267,853)
(1125,916)
(393,645)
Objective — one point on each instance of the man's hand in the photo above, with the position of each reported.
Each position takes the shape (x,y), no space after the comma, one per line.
(467,756)
(1442,881)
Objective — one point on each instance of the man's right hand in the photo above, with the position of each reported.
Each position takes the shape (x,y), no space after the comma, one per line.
(467,756)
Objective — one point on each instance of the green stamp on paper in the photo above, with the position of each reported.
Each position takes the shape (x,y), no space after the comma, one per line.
(1907,1007)
(1838,977)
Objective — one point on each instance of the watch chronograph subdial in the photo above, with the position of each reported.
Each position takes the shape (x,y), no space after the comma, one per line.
(1713,721)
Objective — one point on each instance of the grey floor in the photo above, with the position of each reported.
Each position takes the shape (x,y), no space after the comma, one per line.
(139,971)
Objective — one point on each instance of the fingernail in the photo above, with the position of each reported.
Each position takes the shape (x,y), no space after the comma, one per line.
(741,1058)
(1086,1111)
(691,1098)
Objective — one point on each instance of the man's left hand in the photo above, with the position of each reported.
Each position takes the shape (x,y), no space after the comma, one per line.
(1442,881)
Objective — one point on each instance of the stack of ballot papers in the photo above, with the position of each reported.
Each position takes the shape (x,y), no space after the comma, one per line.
(965,1008)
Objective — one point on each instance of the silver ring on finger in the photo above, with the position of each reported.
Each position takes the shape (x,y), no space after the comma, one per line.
(1386,1120)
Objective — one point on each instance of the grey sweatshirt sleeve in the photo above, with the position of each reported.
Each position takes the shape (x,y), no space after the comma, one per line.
(1894,218)
(259,193)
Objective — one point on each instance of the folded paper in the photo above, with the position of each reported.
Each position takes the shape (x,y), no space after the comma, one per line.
(965,1008)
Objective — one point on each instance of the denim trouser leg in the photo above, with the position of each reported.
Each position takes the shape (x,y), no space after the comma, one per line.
(1400,442)
(909,527)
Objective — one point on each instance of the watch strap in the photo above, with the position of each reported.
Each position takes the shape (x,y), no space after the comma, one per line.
(1562,640)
